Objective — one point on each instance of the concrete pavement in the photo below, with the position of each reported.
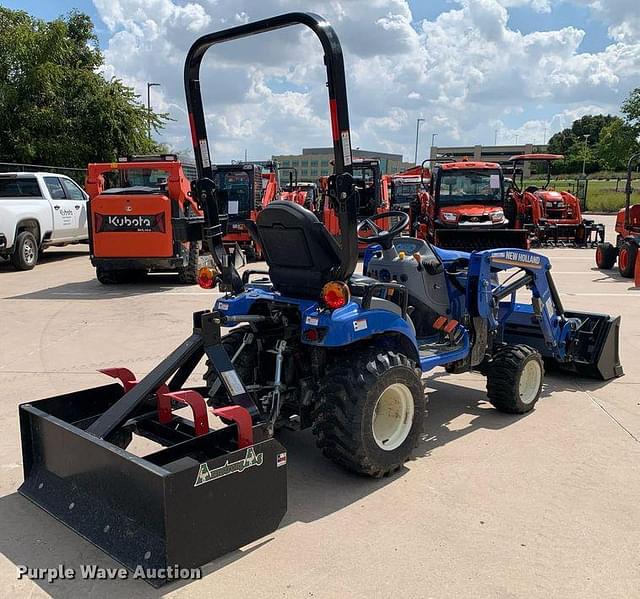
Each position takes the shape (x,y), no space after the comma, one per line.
(492,506)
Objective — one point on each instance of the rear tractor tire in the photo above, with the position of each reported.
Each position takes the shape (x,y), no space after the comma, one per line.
(606,256)
(370,412)
(514,379)
(627,259)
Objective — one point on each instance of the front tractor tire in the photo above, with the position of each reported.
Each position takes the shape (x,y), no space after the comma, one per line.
(606,256)
(370,412)
(514,379)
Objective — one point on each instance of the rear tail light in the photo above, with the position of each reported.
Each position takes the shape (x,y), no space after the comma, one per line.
(206,277)
(335,294)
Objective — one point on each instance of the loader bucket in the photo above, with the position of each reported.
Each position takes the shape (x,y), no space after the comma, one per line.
(470,240)
(592,352)
(181,505)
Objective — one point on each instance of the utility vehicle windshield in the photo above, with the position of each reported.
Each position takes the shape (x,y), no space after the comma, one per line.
(469,186)
(404,193)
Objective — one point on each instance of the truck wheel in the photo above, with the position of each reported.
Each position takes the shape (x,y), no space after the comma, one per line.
(627,259)
(25,252)
(189,274)
(606,255)
(514,379)
(370,412)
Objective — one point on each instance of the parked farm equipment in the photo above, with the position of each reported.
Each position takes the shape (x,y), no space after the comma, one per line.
(304,193)
(463,207)
(320,347)
(551,217)
(625,251)
(132,204)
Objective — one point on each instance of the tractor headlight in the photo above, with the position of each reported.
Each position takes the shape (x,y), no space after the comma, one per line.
(450,217)
(497,216)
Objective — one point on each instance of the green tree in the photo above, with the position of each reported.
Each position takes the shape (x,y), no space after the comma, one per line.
(631,108)
(55,107)
(618,141)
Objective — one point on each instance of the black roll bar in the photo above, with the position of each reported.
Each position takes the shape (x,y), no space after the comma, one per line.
(346,200)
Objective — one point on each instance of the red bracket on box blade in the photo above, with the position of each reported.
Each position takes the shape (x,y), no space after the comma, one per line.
(243,421)
(194,400)
(129,381)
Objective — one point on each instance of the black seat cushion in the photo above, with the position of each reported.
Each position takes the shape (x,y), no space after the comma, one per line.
(301,254)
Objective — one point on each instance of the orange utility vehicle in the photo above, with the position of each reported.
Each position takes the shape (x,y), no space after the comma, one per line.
(627,248)
(463,207)
(244,189)
(136,206)
(551,217)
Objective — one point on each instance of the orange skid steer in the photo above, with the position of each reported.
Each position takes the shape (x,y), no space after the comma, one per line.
(136,207)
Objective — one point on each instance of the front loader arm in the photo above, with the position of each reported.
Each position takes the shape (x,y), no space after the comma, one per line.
(484,296)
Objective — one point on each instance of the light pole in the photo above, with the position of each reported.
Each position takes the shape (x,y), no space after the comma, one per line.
(516,139)
(495,137)
(584,161)
(149,86)
(418,121)
(544,136)
(433,142)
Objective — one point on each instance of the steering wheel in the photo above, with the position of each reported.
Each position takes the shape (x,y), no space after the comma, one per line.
(381,235)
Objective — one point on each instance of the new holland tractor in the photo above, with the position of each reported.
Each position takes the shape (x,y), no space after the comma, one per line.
(312,345)
(625,251)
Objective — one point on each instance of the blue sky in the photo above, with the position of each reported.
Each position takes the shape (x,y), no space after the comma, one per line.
(468,67)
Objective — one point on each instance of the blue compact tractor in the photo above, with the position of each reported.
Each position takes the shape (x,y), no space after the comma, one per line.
(311,345)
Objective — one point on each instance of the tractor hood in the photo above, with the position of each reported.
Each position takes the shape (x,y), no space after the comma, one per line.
(549,196)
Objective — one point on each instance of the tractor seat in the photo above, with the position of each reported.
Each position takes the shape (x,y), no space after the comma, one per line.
(301,254)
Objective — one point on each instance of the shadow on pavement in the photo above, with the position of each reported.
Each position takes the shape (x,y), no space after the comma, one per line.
(316,488)
(94,290)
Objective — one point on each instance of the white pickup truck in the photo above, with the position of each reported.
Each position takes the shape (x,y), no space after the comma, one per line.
(39,210)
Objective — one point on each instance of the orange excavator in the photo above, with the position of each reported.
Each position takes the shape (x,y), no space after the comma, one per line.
(139,208)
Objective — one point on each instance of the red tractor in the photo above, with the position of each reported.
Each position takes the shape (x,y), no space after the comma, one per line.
(625,251)
(138,209)
(552,217)
(245,189)
(373,196)
(463,207)
(304,193)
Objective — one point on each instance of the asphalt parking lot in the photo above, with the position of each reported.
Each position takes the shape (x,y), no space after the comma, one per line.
(492,505)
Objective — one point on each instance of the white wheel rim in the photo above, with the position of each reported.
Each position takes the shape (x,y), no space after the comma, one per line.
(529,384)
(393,417)
(28,251)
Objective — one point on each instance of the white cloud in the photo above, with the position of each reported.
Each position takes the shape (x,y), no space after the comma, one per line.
(466,72)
